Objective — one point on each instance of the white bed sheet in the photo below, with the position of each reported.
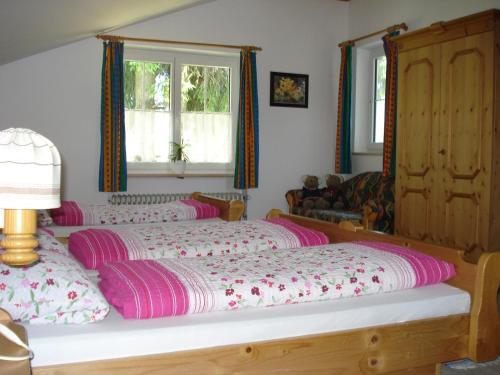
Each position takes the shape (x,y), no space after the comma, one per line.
(65,231)
(116,337)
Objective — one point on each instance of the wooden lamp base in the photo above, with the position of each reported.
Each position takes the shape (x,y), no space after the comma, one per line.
(19,241)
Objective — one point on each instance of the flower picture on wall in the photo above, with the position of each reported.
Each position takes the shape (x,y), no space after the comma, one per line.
(289,90)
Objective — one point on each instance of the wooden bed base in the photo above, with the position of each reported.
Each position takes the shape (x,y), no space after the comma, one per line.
(416,347)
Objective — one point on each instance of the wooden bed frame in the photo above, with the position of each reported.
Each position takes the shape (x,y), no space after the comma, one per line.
(415,347)
(229,210)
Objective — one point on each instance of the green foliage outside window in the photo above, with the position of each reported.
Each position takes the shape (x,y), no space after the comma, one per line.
(205,89)
(381,64)
(147,85)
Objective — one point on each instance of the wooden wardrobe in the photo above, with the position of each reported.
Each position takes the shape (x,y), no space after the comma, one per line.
(448,134)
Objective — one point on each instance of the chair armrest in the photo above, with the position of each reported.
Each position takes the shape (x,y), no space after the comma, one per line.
(378,214)
(369,217)
(292,199)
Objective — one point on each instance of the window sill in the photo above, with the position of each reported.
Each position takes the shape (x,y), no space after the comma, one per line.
(369,153)
(183,175)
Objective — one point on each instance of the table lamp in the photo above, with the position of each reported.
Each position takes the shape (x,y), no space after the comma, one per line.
(30,179)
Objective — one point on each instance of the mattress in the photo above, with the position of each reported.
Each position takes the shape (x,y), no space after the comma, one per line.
(115,337)
(65,231)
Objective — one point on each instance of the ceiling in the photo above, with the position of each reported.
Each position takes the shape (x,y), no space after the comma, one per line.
(28,27)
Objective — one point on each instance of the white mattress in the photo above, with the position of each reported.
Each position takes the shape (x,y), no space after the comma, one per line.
(116,337)
(65,231)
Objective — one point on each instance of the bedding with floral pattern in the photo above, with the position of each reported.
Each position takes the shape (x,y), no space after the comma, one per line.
(54,290)
(73,213)
(95,247)
(168,287)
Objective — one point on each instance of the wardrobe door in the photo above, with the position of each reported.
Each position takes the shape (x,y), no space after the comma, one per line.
(418,116)
(465,154)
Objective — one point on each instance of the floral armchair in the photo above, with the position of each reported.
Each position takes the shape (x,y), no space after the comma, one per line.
(369,198)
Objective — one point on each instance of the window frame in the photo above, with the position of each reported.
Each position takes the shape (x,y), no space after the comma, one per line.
(178,57)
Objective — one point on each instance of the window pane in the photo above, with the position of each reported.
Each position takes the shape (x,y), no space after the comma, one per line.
(217,89)
(133,74)
(381,64)
(208,136)
(149,134)
(379,121)
(379,99)
(157,86)
(193,89)
(147,85)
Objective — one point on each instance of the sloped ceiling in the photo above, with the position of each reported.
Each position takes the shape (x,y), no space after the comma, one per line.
(28,27)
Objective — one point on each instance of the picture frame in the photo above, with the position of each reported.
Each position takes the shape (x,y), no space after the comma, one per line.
(289,90)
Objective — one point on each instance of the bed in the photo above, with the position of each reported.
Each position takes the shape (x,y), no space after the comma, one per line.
(96,247)
(229,210)
(307,345)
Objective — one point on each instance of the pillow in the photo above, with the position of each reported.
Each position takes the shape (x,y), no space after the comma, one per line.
(54,290)
(44,218)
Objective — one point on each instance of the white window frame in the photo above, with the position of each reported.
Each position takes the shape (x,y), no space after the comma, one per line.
(178,57)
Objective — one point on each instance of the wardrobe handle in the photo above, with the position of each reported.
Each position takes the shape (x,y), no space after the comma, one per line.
(442,151)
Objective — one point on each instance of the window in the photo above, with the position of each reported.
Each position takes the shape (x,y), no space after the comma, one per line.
(180,97)
(379,99)
(369,98)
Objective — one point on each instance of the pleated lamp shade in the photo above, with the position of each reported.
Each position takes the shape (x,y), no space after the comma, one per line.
(30,170)
(30,179)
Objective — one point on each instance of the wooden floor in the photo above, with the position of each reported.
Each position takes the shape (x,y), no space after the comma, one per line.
(470,368)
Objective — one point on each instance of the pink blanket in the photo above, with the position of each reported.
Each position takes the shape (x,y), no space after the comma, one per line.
(142,289)
(95,247)
(73,214)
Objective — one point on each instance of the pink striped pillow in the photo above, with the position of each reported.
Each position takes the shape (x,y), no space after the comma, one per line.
(428,270)
(306,236)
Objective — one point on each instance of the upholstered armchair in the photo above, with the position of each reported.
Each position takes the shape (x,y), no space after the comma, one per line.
(368,197)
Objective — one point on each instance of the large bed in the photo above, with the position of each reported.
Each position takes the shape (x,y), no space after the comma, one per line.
(401,332)
(229,210)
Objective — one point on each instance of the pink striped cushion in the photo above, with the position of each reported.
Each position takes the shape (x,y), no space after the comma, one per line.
(94,247)
(203,210)
(428,270)
(143,289)
(306,236)
(68,214)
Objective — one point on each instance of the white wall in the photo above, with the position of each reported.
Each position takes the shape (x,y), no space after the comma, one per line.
(366,16)
(57,93)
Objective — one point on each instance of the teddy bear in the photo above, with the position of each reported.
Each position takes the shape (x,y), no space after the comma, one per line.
(310,192)
(333,194)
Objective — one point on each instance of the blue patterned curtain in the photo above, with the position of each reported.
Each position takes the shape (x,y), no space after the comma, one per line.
(343,142)
(391,95)
(246,174)
(113,160)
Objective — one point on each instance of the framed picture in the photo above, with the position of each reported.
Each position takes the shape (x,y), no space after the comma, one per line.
(289,90)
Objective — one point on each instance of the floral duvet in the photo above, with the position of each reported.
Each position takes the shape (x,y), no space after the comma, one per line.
(144,289)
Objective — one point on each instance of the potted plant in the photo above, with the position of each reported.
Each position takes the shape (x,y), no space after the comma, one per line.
(178,157)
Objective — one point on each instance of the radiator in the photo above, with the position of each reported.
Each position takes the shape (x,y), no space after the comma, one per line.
(119,199)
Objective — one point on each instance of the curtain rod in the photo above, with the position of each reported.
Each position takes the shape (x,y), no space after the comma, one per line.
(389,29)
(119,38)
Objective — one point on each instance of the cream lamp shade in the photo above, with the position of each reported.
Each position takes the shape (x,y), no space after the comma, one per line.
(30,179)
